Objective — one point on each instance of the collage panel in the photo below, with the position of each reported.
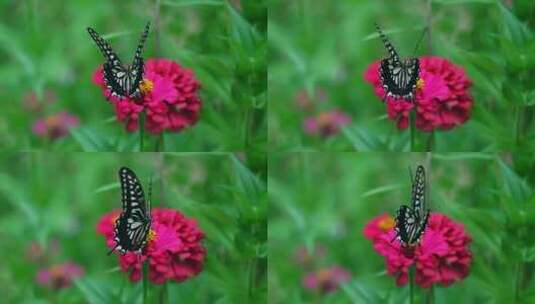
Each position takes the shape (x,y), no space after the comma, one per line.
(447,76)
(73,69)
(205,243)
(345,228)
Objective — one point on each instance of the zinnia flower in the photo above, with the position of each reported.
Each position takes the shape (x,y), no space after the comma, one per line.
(326,279)
(174,250)
(170,98)
(59,276)
(442,97)
(327,123)
(55,126)
(442,256)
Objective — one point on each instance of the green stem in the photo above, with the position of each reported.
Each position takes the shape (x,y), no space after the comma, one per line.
(141,130)
(247,127)
(430,141)
(412,126)
(430,295)
(252,275)
(159,145)
(145,281)
(411,284)
(518,124)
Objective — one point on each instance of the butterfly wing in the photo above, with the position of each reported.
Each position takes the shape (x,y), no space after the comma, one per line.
(408,228)
(418,193)
(114,72)
(398,78)
(133,225)
(137,68)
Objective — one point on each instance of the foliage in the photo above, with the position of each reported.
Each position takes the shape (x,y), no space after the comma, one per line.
(320,199)
(44,47)
(323,48)
(60,197)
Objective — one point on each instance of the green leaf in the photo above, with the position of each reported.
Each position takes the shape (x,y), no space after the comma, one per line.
(515,30)
(516,188)
(248,183)
(89,139)
(181,3)
(95,293)
(382,189)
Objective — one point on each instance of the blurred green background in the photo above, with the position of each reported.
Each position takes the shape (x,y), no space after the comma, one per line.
(324,200)
(56,199)
(45,49)
(321,48)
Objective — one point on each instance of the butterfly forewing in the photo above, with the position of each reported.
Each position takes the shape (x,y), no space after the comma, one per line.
(133,225)
(418,193)
(137,67)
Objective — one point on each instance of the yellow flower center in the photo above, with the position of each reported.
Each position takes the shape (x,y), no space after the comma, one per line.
(324,275)
(386,223)
(151,235)
(146,86)
(420,84)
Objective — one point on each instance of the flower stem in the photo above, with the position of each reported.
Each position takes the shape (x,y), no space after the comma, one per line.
(141,130)
(145,281)
(411,284)
(252,275)
(412,126)
(159,145)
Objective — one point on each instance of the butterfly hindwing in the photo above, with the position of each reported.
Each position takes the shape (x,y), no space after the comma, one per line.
(133,225)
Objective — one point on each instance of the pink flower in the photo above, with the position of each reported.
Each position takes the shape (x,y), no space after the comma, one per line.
(326,279)
(441,257)
(442,98)
(55,126)
(326,123)
(305,258)
(59,276)
(170,101)
(174,250)
(33,103)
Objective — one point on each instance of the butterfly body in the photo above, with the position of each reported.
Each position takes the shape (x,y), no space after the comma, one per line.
(398,76)
(122,81)
(133,225)
(411,222)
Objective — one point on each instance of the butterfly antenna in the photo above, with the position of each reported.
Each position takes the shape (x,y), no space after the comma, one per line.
(420,41)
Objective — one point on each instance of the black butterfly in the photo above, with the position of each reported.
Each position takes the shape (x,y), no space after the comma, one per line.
(122,81)
(133,225)
(398,76)
(411,222)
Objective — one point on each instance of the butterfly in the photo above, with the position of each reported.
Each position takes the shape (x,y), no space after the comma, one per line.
(412,221)
(122,81)
(133,225)
(398,77)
